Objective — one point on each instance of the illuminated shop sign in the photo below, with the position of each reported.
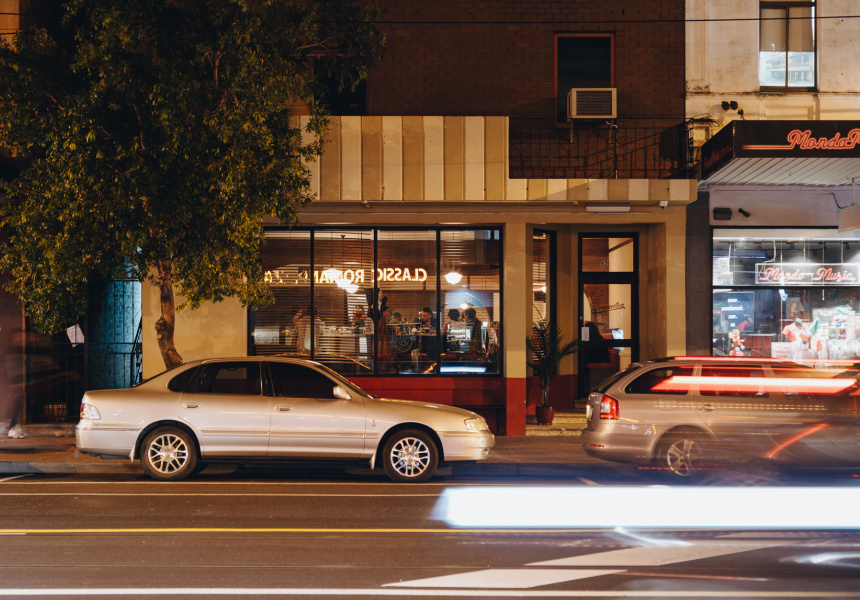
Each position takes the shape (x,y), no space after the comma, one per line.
(807,273)
(352,276)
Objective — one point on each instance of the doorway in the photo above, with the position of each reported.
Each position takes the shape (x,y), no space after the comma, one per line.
(608,306)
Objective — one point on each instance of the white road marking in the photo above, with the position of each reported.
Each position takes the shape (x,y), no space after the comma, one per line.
(587,481)
(5,479)
(654,556)
(505,578)
(389,592)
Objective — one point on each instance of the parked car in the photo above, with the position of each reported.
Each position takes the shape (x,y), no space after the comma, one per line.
(252,408)
(689,415)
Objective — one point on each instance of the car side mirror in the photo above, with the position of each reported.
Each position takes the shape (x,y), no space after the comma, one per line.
(341,393)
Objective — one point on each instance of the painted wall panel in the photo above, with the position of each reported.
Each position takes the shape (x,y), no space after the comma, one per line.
(474,158)
(455,164)
(330,163)
(371,159)
(350,153)
(392,158)
(413,158)
(496,151)
(434,158)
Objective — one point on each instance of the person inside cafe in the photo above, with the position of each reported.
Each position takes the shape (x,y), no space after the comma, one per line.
(474,328)
(428,323)
(303,333)
(448,328)
(383,339)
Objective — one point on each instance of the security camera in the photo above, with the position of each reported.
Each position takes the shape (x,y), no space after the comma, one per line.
(664,203)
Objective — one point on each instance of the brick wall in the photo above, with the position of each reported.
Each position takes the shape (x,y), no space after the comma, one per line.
(496,57)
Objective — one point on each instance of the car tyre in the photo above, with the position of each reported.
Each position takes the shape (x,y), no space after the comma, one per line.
(410,456)
(169,454)
(681,457)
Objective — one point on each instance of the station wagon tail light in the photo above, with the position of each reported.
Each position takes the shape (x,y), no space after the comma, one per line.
(476,425)
(608,408)
(89,412)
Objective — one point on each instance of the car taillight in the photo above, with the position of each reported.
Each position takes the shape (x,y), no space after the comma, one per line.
(608,408)
(89,412)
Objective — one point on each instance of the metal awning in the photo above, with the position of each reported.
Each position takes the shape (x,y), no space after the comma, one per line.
(811,153)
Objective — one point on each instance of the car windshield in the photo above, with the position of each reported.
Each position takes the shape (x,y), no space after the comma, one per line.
(343,382)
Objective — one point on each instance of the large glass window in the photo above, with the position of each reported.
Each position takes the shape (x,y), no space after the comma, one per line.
(787,45)
(786,293)
(384,301)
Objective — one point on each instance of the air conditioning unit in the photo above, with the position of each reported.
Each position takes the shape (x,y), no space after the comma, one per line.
(592,103)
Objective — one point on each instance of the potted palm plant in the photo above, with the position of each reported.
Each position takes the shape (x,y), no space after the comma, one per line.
(548,347)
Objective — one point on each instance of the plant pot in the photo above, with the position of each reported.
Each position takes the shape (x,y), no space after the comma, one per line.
(544,414)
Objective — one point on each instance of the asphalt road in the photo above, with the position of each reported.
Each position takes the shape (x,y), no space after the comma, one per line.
(241,535)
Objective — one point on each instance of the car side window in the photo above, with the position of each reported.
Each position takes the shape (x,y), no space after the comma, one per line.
(661,381)
(180,382)
(239,378)
(733,381)
(299,381)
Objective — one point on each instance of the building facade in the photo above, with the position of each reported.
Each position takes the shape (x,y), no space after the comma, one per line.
(455,187)
(772,251)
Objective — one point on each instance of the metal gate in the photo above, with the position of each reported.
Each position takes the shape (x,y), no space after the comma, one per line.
(103,351)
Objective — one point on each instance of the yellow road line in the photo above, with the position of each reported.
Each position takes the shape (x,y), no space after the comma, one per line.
(96,530)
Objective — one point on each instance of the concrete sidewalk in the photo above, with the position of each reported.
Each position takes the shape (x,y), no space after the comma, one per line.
(51,449)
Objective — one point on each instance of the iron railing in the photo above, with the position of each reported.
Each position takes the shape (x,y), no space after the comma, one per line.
(616,149)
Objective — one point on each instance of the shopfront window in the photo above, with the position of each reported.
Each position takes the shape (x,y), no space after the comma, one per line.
(790,294)
(470,299)
(383,301)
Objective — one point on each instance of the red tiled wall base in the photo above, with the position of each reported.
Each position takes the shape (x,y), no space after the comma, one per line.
(562,393)
(472,393)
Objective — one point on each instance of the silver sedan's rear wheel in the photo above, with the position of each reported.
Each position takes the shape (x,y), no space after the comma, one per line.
(169,454)
(410,456)
(681,456)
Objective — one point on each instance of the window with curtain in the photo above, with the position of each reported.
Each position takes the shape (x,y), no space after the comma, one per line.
(787,45)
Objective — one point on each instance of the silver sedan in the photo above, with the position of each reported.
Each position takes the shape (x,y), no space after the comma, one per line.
(251,408)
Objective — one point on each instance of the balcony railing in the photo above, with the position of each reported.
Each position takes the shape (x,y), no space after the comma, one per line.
(618,149)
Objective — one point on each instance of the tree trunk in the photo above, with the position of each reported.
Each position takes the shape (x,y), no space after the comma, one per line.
(165,325)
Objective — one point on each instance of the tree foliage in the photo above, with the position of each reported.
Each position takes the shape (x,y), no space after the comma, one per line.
(157,135)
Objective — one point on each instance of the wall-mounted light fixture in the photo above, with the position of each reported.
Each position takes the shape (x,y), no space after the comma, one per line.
(722,213)
(733,105)
(744,213)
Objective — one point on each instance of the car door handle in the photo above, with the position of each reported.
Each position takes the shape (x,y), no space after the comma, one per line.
(708,407)
(283,408)
(190,405)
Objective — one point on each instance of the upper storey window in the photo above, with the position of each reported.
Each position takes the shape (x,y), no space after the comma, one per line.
(787,45)
(582,60)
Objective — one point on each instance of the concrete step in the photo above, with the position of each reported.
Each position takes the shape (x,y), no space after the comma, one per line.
(551,430)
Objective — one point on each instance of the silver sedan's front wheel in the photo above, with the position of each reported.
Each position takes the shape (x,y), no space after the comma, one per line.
(410,456)
(169,454)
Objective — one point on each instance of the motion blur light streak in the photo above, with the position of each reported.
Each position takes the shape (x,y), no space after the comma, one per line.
(682,383)
(659,507)
(773,453)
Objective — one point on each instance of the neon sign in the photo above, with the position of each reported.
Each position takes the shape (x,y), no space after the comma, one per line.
(806,273)
(805,141)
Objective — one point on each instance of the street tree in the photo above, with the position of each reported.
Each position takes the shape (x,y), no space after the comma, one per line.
(157,136)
